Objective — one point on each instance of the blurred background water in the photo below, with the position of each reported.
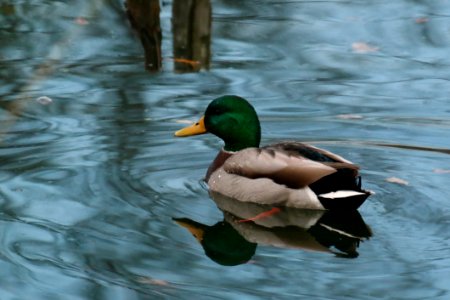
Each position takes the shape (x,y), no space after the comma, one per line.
(91,177)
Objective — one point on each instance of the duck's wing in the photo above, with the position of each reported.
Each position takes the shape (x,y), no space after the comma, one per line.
(294,171)
(345,183)
(316,154)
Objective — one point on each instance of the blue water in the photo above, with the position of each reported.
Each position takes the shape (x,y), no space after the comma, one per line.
(91,181)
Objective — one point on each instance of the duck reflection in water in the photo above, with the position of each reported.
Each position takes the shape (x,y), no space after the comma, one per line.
(233,240)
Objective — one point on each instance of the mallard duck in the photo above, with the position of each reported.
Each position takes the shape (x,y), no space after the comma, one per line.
(289,173)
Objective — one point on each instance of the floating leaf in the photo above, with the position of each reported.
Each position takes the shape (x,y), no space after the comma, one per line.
(153,281)
(441,171)
(183,121)
(360,47)
(397,180)
(421,20)
(187,61)
(81,21)
(350,117)
(44,100)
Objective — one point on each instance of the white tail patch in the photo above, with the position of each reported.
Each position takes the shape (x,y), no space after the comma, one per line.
(340,194)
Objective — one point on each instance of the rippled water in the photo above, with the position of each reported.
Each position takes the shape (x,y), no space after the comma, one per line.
(91,181)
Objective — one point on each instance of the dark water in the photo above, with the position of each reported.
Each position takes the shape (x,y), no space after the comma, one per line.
(91,181)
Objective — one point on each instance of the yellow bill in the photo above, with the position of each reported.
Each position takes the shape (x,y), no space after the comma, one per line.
(196,229)
(194,129)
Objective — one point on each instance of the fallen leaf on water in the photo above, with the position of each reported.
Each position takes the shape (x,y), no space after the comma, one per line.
(153,281)
(421,20)
(349,117)
(360,47)
(81,21)
(187,61)
(183,121)
(44,100)
(441,171)
(397,180)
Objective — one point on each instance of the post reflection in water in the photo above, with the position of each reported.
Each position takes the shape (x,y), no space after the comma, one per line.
(233,240)
(191,25)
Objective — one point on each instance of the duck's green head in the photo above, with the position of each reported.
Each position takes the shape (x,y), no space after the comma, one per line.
(232,119)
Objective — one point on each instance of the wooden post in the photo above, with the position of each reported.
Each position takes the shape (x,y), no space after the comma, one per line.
(144,18)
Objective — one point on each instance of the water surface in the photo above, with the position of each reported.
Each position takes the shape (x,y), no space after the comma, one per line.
(90,183)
